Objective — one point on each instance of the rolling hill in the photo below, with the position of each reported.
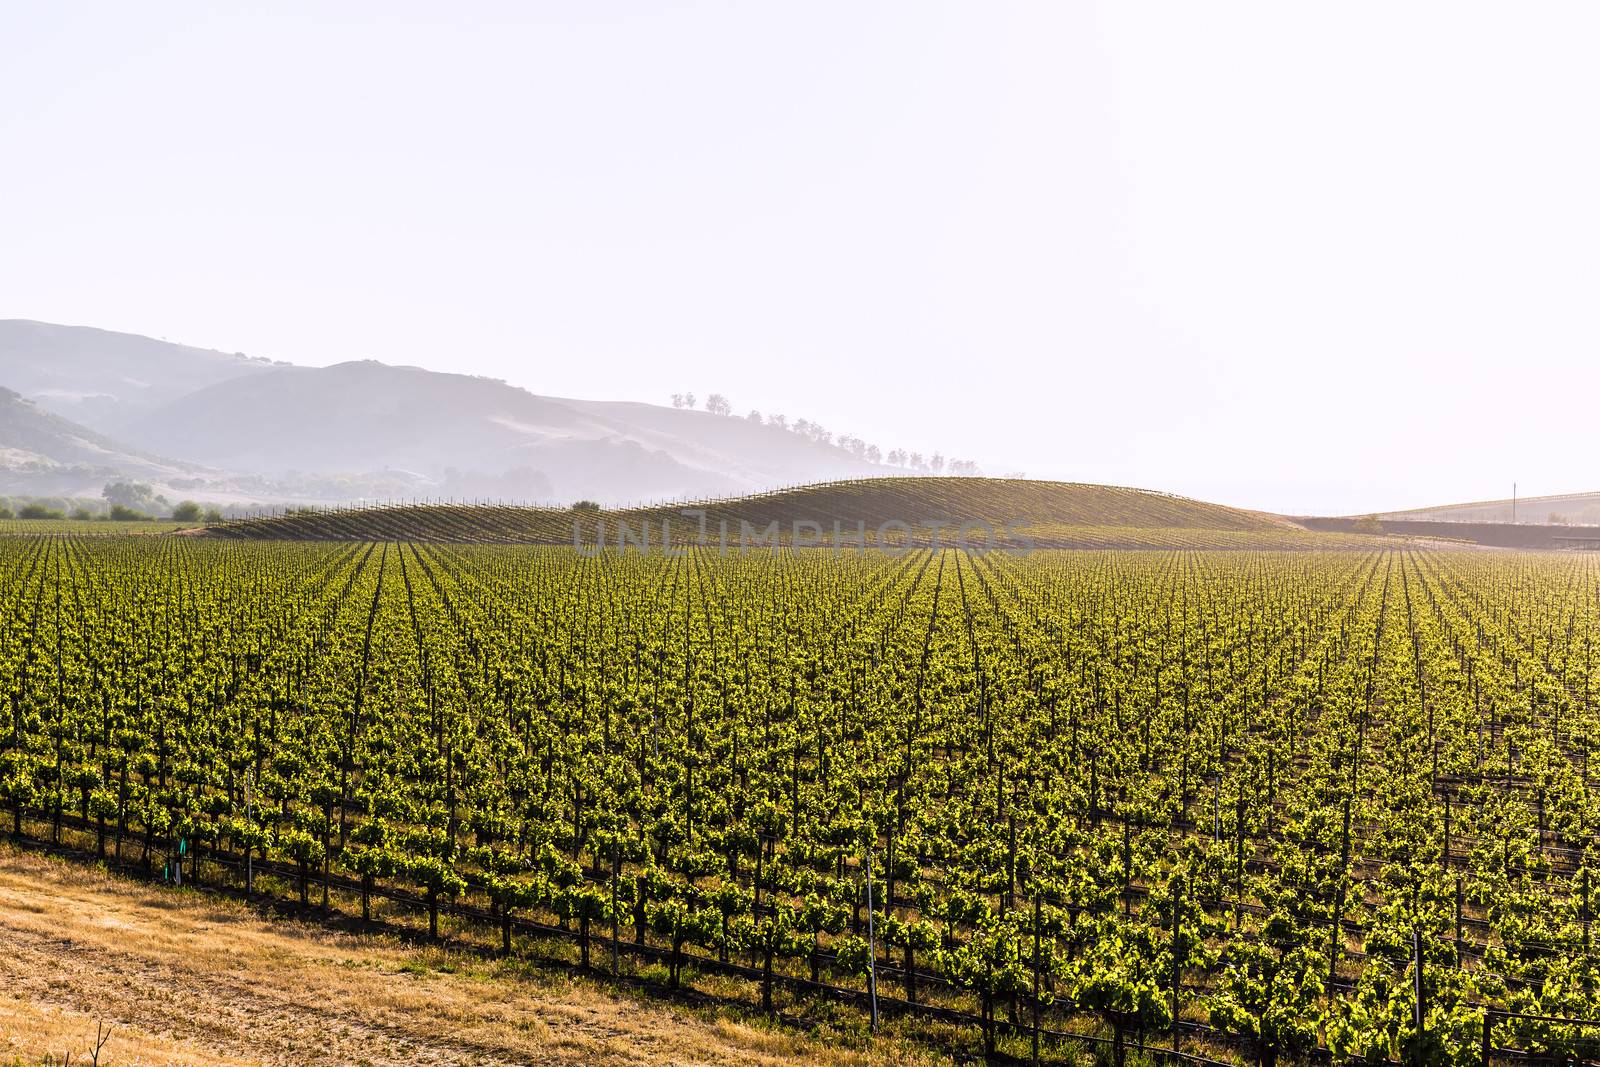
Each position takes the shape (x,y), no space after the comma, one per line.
(883,510)
(454,429)
(364,428)
(105,379)
(44,454)
(1562,522)
(1563,508)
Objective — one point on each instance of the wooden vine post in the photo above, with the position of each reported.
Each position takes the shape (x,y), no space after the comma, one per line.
(872,950)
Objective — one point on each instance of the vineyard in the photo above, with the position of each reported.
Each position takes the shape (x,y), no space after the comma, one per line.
(1048,514)
(1234,806)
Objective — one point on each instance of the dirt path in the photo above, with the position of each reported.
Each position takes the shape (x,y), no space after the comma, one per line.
(184,978)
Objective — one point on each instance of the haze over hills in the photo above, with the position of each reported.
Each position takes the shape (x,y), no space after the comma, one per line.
(276,431)
(477,436)
(104,379)
(96,406)
(42,453)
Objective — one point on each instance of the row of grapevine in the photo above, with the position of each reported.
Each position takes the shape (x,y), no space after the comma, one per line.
(1247,804)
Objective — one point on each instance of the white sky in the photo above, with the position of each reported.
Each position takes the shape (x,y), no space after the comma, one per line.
(1328,257)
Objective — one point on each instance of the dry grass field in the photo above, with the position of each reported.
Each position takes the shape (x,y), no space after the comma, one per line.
(187,978)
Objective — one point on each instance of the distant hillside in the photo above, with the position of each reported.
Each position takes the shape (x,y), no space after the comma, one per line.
(1524,535)
(44,454)
(1051,514)
(364,429)
(476,437)
(105,379)
(1569,508)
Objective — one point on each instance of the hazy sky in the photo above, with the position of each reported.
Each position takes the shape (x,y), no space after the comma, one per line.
(1293,256)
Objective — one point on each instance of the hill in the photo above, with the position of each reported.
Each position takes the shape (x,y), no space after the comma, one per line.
(366,428)
(473,436)
(42,453)
(1563,522)
(105,379)
(1049,514)
(997,500)
(1563,508)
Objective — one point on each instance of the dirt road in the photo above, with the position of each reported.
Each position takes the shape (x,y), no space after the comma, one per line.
(187,978)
